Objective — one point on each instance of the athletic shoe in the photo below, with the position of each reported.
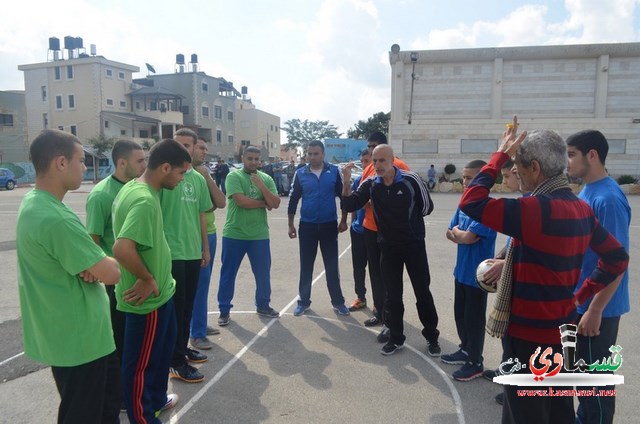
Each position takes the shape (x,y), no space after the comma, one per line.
(390,348)
(500,398)
(223,319)
(490,374)
(341,309)
(372,322)
(268,312)
(358,304)
(212,331)
(195,356)
(468,372)
(186,373)
(201,343)
(300,310)
(458,357)
(172,399)
(433,348)
(383,336)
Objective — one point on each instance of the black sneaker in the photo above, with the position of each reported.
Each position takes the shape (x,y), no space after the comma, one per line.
(459,357)
(433,349)
(490,374)
(223,319)
(195,356)
(268,312)
(186,373)
(383,337)
(372,322)
(390,348)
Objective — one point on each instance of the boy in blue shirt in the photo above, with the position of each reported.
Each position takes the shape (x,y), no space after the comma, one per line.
(475,244)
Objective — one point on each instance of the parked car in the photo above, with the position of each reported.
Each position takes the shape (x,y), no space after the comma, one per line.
(7,179)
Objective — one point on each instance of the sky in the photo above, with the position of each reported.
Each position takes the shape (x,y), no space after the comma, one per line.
(302,59)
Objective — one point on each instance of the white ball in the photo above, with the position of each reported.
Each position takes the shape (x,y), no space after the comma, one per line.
(482,268)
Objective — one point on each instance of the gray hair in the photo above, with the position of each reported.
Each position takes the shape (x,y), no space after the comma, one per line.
(547,148)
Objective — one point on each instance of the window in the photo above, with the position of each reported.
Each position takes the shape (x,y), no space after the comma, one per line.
(123,132)
(230,115)
(58,102)
(144,133)
(478,145)
(185,110)
(419,146)
(123,103)
(245,142)
(153,106)
(108,73)
(617,146)
(43,90)
(56,73)
(271,127)
(73,129)
(276,128)
(70,72)
(218,111)
(6,120)
(137,105)
(61,128)
(106,124)
(45,121)
(205,111)
(109,102)
(72,101)
(219,136)
(121,75)
(205,87)
(230,139)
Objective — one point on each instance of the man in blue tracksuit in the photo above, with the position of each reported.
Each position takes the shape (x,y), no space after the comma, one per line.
(318,184)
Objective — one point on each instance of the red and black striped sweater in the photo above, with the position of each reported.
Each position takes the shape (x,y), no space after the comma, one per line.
(551,233)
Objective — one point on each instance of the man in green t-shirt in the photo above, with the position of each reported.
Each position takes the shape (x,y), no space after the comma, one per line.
(128,158)
(185,227)
(65,309)
(199,328)
(246,232)
(145,292)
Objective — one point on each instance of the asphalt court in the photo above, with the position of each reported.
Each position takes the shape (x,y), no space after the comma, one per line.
(320,367)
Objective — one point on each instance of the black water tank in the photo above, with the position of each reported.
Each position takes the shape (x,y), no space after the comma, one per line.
(194,58)
(244,89)
(54,43)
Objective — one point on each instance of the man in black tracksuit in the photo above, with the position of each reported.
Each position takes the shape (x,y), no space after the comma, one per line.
(400,200)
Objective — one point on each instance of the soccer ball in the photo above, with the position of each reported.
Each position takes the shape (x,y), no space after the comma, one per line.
(480,271)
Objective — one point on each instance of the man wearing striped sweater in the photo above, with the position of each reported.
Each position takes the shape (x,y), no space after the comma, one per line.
(551,231)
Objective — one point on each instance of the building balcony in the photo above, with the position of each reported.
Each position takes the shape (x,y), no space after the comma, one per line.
(166,117)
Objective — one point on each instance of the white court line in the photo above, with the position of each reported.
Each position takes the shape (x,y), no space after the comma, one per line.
(11,359)
(185,409)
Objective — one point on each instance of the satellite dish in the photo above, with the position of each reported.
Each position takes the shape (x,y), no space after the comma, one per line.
(395,49)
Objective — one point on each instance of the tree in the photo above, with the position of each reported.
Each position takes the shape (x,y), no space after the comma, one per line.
(100,144)
(301,133)
(378,122)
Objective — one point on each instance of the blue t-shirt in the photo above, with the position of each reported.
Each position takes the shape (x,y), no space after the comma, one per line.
(470,255)
(356,224)
(612,210)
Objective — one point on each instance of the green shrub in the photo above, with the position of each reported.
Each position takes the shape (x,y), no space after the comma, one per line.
(626,179)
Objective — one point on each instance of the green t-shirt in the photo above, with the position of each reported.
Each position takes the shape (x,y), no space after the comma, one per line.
(181,208)
(211,222)
(65,321)
(98,208)
(243,223)
(137,216)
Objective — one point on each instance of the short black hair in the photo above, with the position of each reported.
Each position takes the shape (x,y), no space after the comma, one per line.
(168,151)
(475,164)
(590,140)
(122,149)
(508,164)
(50,144)
(316,143)
(378,137)
(365,152)
(251,149)
(189,133)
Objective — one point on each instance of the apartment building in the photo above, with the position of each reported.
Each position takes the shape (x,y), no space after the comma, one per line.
(13,133)
(450,106)
(258,128)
